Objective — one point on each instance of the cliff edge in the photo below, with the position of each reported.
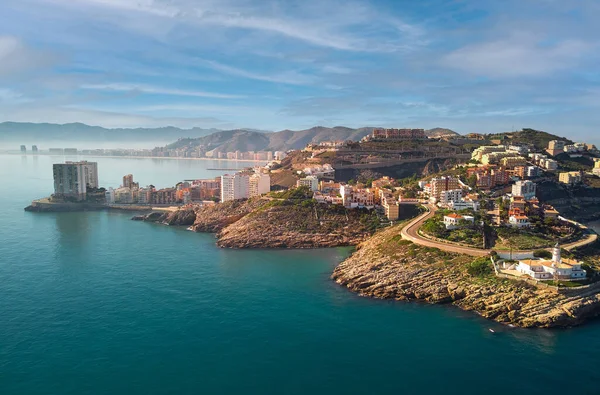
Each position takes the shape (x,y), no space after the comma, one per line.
(387,267)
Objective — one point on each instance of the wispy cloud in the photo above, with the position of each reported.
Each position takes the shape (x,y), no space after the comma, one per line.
(288,77)
(519,55)
(134,88)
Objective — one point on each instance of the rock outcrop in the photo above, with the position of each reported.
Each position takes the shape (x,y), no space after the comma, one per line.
(387,267)
(183,217)
(294,226)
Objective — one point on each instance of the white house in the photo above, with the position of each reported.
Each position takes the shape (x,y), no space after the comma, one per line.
(519,221)
(543,269)
(453,221)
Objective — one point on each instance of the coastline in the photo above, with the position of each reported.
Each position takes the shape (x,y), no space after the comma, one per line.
(133,157)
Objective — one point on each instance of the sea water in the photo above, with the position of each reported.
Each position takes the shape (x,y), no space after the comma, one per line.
(93,303)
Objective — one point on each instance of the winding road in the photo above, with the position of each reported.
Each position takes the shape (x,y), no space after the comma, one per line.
(411,232)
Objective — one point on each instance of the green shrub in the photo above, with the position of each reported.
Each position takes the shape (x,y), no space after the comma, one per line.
(480,267)
(542,254)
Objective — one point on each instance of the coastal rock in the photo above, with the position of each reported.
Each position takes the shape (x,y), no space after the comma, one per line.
(182,217)
(294,226)
(385,266)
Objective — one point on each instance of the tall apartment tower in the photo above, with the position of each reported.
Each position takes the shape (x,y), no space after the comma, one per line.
(34,148)
(235,186)
(23,149)
(69,180)
(259,184)
(128,181)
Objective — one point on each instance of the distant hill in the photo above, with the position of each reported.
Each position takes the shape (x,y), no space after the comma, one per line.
(30,133)
(440,132)
(246,140)
(537,138)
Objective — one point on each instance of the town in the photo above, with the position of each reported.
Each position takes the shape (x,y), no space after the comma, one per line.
(486,203)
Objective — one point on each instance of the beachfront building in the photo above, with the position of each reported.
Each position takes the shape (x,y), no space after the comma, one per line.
(543,269)
(455,221)
(71,179)
(234,186)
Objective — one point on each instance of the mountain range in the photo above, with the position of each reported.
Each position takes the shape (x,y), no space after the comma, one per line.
(245,140)
(213,139)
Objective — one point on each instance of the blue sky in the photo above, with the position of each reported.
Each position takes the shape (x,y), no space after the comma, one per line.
(472,66)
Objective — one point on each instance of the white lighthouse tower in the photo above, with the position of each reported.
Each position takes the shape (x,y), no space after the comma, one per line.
(556,254)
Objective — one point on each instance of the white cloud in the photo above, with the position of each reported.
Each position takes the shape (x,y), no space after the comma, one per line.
(16,57)
(124,87)
(519,55)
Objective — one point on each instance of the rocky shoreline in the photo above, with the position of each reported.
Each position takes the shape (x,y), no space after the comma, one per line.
(261,223)
(387,267)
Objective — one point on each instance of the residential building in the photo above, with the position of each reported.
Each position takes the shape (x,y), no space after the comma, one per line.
(89,171)
(128,181)
(519,221)
(556,147)
(353,197)
(207,189)
(235,186)
(596,169)
(454,221)
(524,188)
(259,184)
(70,151)
(558,267)
(390,205)
(570,178)
(463,205)
(478,153)
(34,148)
(165,196)
(441,184)
(512,161)
(311,182)
(69,181)
(23,149)
(453,195)
(398,134)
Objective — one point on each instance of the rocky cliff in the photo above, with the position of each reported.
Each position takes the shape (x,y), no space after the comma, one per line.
(387,267)
(290,225)
(277,223)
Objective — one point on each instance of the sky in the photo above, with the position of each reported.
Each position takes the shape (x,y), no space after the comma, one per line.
(468,65)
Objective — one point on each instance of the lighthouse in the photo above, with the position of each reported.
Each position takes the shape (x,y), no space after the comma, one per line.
(556,254)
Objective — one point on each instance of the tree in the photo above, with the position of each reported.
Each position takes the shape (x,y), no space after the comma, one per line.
(472,181)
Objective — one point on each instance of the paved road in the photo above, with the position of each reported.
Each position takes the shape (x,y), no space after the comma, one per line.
(411,232)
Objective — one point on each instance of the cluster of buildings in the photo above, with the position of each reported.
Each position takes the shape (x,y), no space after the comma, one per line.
(379,195)
(397,134)
(242,185)
(448,192)
(496,154)
(556,147)
(319,171)
(543,161)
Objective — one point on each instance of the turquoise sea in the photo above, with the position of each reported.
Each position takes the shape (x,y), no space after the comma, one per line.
(93,303)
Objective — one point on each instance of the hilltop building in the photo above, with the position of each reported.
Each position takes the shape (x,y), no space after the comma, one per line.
(570,178)
(556,147)
(398,134)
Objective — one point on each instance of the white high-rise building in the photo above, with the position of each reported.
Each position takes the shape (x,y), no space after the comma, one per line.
(235,186)
(259,184)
